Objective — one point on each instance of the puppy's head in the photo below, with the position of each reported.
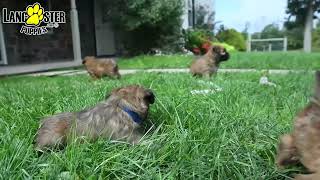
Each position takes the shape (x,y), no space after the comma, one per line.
(136,97)
(88,59)
(219,52)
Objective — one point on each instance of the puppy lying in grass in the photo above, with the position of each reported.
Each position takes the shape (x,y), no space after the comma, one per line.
(303,144)
(100,67)
(208,64)
(119,117)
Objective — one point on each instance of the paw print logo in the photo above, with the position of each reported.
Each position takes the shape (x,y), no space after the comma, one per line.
(35,13)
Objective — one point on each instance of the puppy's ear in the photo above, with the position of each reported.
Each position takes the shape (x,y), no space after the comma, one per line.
(210,51)
(213,49)
(107,96)
(217,48)
(85,59)
(113,92)
(317,85)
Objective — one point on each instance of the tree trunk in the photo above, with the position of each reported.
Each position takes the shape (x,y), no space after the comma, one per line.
(307,41)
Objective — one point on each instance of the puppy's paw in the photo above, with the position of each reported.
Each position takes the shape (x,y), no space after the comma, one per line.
(307,177)
(287,152)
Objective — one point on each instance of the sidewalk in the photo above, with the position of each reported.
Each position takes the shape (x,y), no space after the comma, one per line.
(185,70)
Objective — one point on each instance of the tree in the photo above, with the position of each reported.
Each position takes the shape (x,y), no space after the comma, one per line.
(204,18)
(256,35)
(245,31)
(295,37)
(146,24)
(303,13)
(316,38)
(271,31)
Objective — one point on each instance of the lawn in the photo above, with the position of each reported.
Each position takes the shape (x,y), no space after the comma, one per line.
(256,60)
(230,134)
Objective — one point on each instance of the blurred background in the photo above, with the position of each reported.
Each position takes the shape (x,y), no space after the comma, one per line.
(127,28)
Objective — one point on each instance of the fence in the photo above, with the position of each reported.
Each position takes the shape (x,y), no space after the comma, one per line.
(268,46)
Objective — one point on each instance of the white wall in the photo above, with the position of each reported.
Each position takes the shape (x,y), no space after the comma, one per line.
(185,21)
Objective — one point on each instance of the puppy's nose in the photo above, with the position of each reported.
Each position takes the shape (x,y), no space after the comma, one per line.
(150,96)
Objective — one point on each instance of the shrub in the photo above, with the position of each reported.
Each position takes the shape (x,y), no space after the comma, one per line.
(232,37)
(225,45)
(196,40)
(316,39)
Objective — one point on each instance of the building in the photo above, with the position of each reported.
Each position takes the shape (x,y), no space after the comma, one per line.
(86,31)
(194,11)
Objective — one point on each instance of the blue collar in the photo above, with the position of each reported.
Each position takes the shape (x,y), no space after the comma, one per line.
(134,116)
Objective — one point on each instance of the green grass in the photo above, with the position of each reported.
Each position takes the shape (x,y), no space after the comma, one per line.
(275,60)
(227,135)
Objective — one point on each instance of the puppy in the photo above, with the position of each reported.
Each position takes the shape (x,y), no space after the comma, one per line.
(100,67)
(303,144)
(208,64)
(119,117)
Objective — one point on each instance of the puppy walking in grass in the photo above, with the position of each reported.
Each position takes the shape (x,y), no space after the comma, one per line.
(119,117)
(100,67)
(208,64)
(303,144)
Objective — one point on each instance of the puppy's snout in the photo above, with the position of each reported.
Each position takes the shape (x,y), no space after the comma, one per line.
(150,97)
(225,56)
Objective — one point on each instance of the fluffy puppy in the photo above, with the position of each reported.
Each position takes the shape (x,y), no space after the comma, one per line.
(208,64)
(100,67)
(303,144)
(118,117)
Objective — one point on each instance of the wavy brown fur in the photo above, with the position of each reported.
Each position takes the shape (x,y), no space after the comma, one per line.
(303,144)
(105,120)
(100,67)
(208,64)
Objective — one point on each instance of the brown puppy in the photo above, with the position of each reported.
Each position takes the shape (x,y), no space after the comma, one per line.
(100,67)
(303,144)
(209,63)
(119,117)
